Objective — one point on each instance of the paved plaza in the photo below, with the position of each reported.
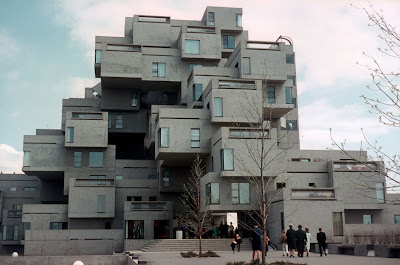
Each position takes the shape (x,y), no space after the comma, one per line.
(314,259)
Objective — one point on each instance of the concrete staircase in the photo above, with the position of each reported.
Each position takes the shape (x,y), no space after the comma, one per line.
(178,245)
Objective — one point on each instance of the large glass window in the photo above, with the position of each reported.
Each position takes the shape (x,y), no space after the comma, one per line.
(197,92)
(166,178)
(98,56)
(195,138)
(25,226)
(70,134)
(290,58)
(163,137)
(77,159)
(58,225)
(380,192)
(29,189)
(212,193)
(161,229)
(119,121)
(240,193)
(228,42)
(192,46)
(27,158)
(288,94)
(397,219)
(134,99)
(134,229)
(367,219)
(290,125)
(95,159)
(217,107)
(101,203)
(227,159)
(293,78)
(238,20)
(211,19)
(159,70)
(246,66)
(109,120)
(193,65)
(10,232)
(337,224)
(271,94)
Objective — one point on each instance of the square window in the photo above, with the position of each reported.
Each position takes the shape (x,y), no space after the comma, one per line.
(228,42)
(290,58)
(397,219)
(13,189)
(192,46)
(367,219)
(134,229)
(95,159)
(290,125)
(58,225)
(10,233)
(159,70)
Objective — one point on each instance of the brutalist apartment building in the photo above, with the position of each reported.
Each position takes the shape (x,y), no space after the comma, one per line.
(111,178)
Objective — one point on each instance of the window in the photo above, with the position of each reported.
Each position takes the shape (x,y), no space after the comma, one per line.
(293,78)
(195,138)
(380,192)
(98,182)
(280,185)
(228,42)
(193,65)
(291,125)
(337,224)
(70,134)
(311,184)
(212,193)
(58,225)
(95,159)
(134,229)
(238,20)
(217,107)
(98,56)
(240,193)
(290,58)
(367,219)
(211,19)
(192,46)
(159,70)
(288,94)
(13,189)
(27,158)
(77,159)
(197,92)
(134,99)
(271,94)
(301,159)
(163,137)
(10,233)
(227,159)
(18,207)
(119,177)
(29,189)
(25,226)
(119,121)
(246,66)
(109,121)
(397,219)
(101,203)
(166,178)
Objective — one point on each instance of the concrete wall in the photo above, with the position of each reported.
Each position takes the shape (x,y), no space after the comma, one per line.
(64,260)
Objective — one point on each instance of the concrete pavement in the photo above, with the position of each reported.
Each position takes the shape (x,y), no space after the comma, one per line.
(314,259)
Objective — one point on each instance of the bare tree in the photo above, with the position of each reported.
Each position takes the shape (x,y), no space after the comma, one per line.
(384,93)
(197,220)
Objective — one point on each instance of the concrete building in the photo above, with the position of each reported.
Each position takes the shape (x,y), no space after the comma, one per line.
(112,176)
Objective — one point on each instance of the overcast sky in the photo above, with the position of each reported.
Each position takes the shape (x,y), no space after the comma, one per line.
(47,54)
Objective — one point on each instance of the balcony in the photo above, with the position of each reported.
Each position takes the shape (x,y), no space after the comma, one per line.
(354,166)
(313,194)
(14,214)
(149,206)
(276,110)
(94,183)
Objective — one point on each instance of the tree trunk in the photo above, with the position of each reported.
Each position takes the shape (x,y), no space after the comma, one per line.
(200,244)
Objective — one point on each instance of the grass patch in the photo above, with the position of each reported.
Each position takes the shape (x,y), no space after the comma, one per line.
(209,254)
(189,254)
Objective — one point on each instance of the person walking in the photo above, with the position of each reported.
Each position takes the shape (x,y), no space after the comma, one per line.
(308,238)
(300,241)
(233,245)
(291,239)
(230,230)
(255,238)
(266,245)
(238,241)
(284,244)
(321,238)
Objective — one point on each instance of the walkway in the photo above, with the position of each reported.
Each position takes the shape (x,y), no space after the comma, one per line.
(176,259)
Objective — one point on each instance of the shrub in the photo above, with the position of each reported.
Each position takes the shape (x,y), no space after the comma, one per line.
(189,254)
(209,254)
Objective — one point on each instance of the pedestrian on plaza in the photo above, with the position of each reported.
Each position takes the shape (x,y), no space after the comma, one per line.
(284,244)
(233,245)
(230,229)
(291,240)
(221,230)
(255,238)
(321,238)
(215,231)
(300,241)
(238,241)
(308,238)
(266,245)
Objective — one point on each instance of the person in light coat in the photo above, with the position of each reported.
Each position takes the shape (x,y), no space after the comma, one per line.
(308,238)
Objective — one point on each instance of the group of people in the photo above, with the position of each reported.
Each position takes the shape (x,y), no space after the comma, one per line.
(225,231)
(300,240)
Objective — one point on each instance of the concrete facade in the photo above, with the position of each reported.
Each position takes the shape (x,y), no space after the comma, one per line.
(112,175)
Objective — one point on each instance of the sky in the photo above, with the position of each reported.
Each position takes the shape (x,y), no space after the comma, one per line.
(47,54)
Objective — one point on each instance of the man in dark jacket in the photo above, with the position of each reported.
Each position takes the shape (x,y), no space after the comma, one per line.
(321,238)
(291,240)
(300,240)
(255,238)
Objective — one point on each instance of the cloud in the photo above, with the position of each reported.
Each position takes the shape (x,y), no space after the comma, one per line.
(75,86)
(8,44)
(10,159)
(345,121)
